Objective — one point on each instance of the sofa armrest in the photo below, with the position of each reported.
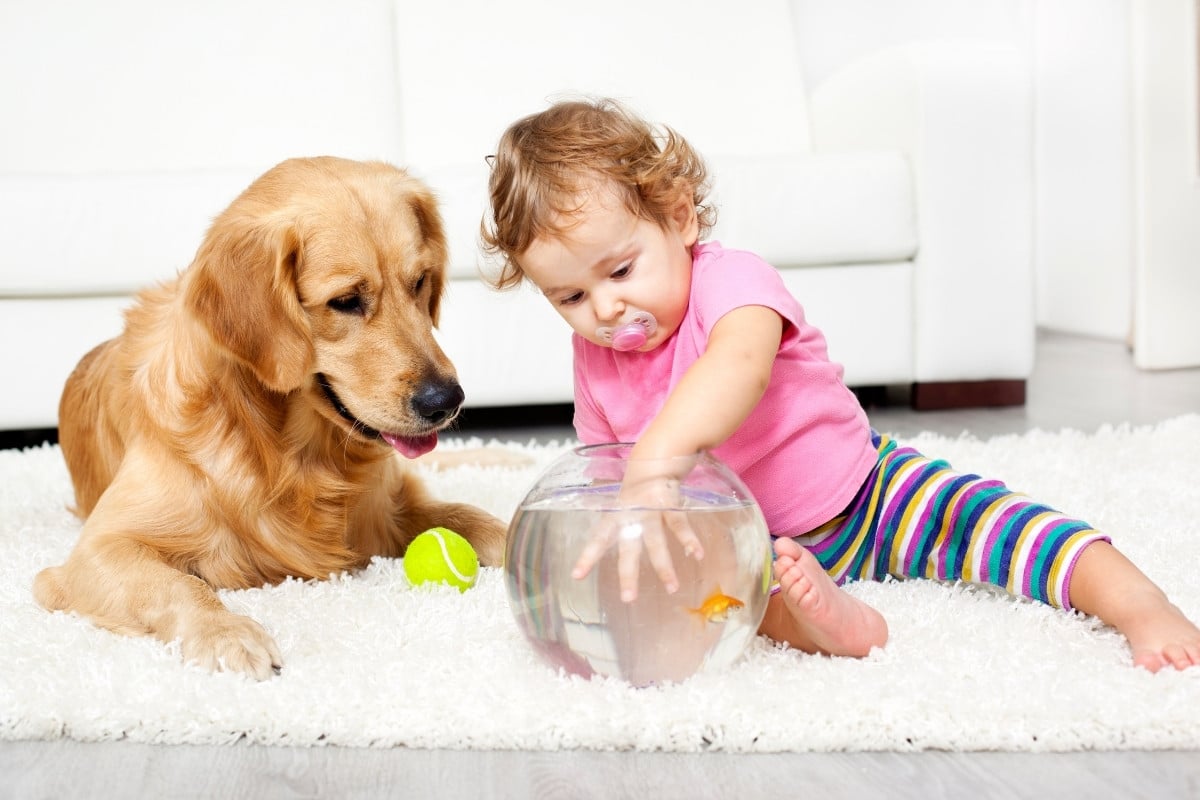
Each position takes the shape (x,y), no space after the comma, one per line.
(961,112)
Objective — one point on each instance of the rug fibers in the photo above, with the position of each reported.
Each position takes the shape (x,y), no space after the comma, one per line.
(371,661)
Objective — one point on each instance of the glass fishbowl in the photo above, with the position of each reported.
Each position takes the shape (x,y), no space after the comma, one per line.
(585,555)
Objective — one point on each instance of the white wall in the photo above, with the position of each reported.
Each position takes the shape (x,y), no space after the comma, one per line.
(1080,57)
(1083,155)
(878,23)
(1166,111)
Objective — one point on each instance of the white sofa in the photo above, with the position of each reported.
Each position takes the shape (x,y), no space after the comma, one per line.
(895,197)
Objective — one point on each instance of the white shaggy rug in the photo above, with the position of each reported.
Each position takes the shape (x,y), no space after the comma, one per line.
(372,662)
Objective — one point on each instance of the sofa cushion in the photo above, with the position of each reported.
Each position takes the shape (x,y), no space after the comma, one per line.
(143,85)
(134,124)
(130,230)
(105,234)
(795,211)
(725,75)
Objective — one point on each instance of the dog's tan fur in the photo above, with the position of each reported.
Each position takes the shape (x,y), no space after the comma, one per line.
(204,450)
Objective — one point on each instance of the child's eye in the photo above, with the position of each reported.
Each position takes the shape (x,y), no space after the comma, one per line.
(622,271)
(571,299)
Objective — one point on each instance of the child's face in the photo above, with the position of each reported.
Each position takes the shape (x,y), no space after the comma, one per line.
(611,264)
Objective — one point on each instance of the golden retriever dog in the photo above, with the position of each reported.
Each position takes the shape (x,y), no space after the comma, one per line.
(244,426)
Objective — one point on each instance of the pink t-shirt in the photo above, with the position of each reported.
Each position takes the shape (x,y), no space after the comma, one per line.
(805,449)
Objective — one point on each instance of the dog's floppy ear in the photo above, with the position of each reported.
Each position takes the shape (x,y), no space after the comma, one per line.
(243,289)
(429,222)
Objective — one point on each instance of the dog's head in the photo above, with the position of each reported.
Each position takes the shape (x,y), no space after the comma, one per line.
(324,277)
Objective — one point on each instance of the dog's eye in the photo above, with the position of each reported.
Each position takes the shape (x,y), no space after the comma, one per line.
(420,284)
(347,304)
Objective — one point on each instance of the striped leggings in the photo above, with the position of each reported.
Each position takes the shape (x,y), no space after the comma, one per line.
(915,517)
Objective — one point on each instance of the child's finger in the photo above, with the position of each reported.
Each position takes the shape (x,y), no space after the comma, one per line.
(660,558)
(629,553)
(602,537)
(679,525)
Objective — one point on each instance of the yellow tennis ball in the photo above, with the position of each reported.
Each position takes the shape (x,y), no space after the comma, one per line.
(441,555)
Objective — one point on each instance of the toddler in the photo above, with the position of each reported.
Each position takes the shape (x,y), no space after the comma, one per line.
(683,345)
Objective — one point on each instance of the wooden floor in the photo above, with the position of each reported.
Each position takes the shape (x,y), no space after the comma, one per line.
(1078,383)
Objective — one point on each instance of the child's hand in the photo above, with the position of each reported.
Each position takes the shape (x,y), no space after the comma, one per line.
(652,510)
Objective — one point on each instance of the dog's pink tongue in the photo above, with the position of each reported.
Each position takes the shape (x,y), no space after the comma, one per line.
(411,446)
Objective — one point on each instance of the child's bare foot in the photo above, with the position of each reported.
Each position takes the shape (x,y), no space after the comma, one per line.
(813,614)
(1107,584)
(1160,635)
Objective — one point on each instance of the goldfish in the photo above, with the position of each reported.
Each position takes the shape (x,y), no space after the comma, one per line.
(717,607)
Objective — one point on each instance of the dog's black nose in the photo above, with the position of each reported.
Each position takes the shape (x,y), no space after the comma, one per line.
(438,402)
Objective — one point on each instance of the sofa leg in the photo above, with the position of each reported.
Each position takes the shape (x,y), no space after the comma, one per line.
(935,396)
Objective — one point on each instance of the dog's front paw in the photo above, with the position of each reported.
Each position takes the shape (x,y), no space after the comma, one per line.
(232,643)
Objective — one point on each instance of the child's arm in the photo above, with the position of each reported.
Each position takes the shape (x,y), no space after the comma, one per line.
(720,389)
(709,403)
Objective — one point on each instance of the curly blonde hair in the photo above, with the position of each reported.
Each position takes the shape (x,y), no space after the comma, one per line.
(546,161)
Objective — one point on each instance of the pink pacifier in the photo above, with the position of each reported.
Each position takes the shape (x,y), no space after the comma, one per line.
(629,335)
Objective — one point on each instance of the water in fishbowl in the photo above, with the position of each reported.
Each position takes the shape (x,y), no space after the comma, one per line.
(585,627)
